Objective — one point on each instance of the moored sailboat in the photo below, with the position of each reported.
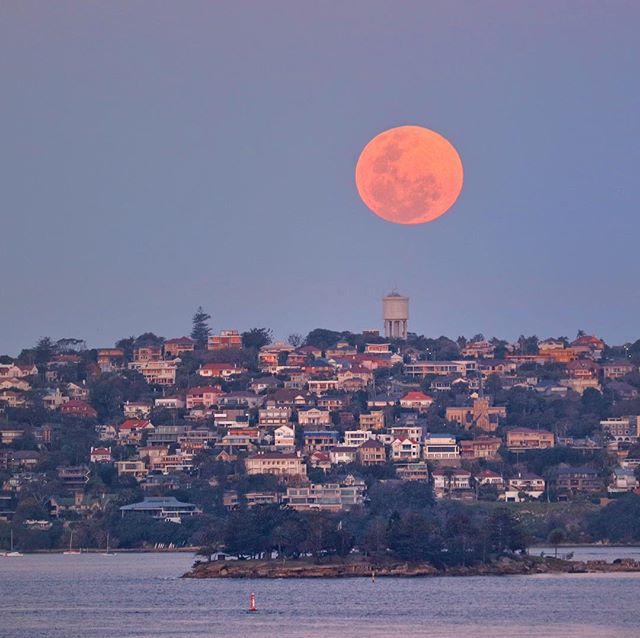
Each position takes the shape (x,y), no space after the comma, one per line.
(12,553)
(71,551)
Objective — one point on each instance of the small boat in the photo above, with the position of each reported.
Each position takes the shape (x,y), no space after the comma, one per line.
(71,551)
(12,553)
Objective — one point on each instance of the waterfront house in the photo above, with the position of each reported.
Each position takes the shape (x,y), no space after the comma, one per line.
(167,508)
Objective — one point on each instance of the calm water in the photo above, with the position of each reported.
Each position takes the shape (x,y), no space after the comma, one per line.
(56,596)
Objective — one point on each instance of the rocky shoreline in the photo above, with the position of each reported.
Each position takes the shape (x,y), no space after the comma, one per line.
(362,568)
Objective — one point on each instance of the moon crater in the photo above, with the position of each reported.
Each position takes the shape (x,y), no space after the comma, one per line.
(409,175)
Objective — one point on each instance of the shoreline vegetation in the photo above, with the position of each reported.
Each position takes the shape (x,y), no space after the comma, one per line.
(361,567)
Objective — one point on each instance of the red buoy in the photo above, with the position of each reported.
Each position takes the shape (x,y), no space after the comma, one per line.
(252,602)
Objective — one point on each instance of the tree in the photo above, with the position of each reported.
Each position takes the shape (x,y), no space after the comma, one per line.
(126,345)
(375,539)
(505,532)
(556,536)
(256,338)
(528,345)
(295,339)
(44,351)
(201,330)
(618,522)
(322,338)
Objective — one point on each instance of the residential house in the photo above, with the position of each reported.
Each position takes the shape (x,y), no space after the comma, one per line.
(134,468)
(261,384)
(372,452)
(488,477)
(621,429)
(314,417)
(23,460)
(412,471)
(147,352)
(277,464)
(355,438)
(284,437)
(617,369)
(14,370)
(110,359)
(321,441)
(240,398)
(15,383)
(580,384)
(484,447)
(440,447)
(522,439)
(320,460)
(131,430)
(374,420)
(53,400)
(78,408)
(407,430)
(77,391)
(289,397)
(578,479)
(175,402)
(320,387)
(100,455)
(623,480)
(203,396)
(377,348)
(136,409)
(156,371)
(343,454)
(174,348)
(221,370)
(405,450)
(530,484)
(416,401)
(425,368)
(167,508)
(74,476)
(589,346)
(9,433)
(452,483)
(334,402)
(332,497)
(225,340)
(478,350)
(274,416)
(13,399)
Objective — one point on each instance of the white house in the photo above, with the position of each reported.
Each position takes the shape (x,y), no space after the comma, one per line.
(405,450)
(285,437)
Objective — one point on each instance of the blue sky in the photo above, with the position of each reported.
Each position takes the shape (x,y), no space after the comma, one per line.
(157,156)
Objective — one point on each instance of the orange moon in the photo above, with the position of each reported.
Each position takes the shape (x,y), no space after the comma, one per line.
(409,175)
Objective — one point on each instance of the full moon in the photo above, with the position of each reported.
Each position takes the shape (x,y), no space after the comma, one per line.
(409,175)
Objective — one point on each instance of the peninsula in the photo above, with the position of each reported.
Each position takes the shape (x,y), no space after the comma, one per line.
(360,567)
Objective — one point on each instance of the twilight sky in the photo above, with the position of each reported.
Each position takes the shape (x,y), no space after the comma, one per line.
(160,155)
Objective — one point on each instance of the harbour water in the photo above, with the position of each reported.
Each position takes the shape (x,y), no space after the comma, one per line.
(141,595)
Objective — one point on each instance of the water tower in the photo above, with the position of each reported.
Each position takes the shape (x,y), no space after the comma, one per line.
(395,313)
